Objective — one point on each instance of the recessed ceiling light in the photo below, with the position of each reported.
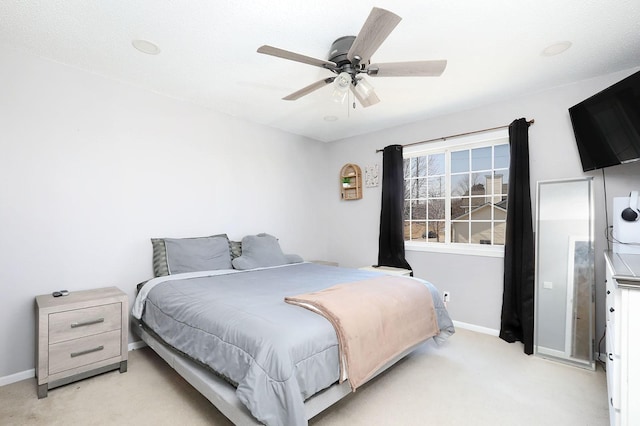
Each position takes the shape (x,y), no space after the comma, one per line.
(330,118)
(146,47)
(556,48)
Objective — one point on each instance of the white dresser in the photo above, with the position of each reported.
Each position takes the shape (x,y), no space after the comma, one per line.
(80,335)
(623,337)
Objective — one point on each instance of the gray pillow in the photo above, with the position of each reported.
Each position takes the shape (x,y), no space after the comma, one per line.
(160,266)
(197,254)
(259,251)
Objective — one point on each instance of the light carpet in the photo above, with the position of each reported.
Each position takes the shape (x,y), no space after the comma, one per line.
(473,379)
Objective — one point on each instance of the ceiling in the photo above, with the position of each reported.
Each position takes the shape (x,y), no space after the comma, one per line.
(208,52)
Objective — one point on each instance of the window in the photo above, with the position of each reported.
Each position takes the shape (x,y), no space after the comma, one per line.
(456,194)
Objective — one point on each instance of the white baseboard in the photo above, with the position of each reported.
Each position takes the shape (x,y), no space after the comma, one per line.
(30,374)
(478,328)
(12,378)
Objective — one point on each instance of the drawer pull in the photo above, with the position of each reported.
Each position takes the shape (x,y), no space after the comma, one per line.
(88,351)
(611,310)
(82,324)
(610,357)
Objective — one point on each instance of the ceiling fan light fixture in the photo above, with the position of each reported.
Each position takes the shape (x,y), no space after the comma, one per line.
(363,88)
(339,96)
(363,91)
(342,81)
(341,87)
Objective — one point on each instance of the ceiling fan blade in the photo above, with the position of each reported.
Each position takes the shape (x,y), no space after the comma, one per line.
(308,89)
(408,69)
(292,56)
(371,98)
(375,30)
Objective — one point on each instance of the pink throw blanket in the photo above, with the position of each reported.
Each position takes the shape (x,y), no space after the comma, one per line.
(375,319)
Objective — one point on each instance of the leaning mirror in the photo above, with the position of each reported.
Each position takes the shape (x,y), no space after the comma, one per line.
(565,278)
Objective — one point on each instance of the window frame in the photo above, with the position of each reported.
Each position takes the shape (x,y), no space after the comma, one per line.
(484,139)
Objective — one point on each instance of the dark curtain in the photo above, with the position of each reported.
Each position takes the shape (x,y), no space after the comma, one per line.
(391,240)
(516,322)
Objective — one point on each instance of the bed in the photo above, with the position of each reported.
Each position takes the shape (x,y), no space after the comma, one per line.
(226,328)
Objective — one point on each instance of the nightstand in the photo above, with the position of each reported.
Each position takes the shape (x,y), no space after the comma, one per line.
(388,270)
(80,335)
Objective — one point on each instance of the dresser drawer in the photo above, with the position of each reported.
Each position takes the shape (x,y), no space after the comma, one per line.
(613,374)
(79,323)
(86,350)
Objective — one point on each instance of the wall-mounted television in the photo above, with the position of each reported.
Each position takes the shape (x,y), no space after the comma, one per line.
(607,125)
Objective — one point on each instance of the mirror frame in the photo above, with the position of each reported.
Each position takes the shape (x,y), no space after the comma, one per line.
(591,362)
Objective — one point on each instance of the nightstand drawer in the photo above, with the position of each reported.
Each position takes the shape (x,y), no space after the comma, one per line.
(84,322)
(87,350)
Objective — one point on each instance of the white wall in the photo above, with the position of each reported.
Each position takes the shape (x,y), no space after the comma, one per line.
(475,282)
(90,169)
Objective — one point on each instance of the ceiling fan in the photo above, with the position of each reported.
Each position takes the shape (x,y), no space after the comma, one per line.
(350,56)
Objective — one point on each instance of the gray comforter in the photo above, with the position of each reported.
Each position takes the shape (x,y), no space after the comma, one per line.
(239,325)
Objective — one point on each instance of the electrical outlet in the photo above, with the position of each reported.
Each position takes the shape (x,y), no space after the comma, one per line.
(446,296)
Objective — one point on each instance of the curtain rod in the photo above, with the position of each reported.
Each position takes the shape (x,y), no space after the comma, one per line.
(444,138)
